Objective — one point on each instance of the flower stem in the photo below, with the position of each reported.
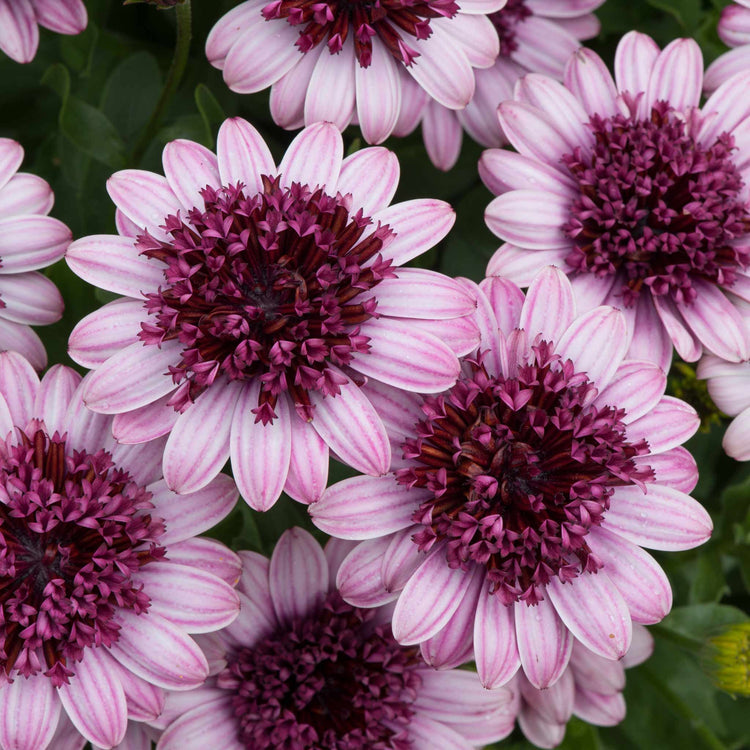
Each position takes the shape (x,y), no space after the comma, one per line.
(174,77)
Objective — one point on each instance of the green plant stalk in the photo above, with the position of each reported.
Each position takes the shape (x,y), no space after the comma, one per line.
(174,77)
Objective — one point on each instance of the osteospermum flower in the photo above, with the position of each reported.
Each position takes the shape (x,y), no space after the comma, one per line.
(634,191)
(338,61)
(102,579)
(29,240)
(20,21)
(734,31)
(300,668)
(535,36)
(590,688)
(513,521)
(259,299)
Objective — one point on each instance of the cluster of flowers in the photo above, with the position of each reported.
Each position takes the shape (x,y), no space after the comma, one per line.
(516,450)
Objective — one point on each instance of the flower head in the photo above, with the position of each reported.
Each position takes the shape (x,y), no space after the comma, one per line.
(19,24)
(301,668)
(30,240)
(101,579)
(259,300)
(371,62)
(512,523)
(634,191)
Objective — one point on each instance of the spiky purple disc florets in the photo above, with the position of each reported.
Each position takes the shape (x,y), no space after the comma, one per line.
(330,681)
(72,536)
(520,468)
(269,286)
(656,207)
(506,20)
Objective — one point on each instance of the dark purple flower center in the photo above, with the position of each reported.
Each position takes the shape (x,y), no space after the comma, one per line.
(519,469)
(331,681)
(72,536)
(657,208)
(506,22)
(270,286)
(389,20)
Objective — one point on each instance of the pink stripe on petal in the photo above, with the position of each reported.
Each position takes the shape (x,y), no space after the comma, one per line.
(598,709)
(22,339)
(143,462)
(371,176)
(519,265)
(426,734)
(555,703)
(675,468)
(145,423)
(736,440)
(61,16)
(287,100)
(314,157)
(31,242)
(113,263)
(725,66)
(30,298)
(29,713)
(208,725)
(588,78)
(442,135)
(430,598)
(95,700)
(641,647)
(503,170)
(485,318)
(663,519)
(190,167)
(401,559)
(209,556)
(418,225)
(86,429)
(475,34)
(134,377)
(243,155)
(297,576)
(332,73)
(595,612)
(352,429)
(378,94)
(635,574)
(19,385)
(227,30)
(11,158)
(336,551)
(144,701)
(636,386)
(549,308)
(413,101)
(668,424)
(6,421)
(677,76)
(359,580)
(125,226)
(252,625)
(308,465)
(634,61)
(495,649)
(260,453)
(198,445)
(544,643)
(20,34)
(254,580)
(532,219)
(686,344)
(460,335)
(25,194)
(54,396)
(191,599)
(596,672)
(365,507)
(726,108)
(145,198)
(399,411)
(650,340)
(538,730)
(191,514)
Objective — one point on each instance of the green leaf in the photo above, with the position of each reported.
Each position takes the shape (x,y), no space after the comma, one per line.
(210,110)
(707,580)
(57,78)
(78,49)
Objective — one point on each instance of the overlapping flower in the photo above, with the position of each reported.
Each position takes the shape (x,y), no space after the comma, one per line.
(639,195)
(513,521)
(259,298)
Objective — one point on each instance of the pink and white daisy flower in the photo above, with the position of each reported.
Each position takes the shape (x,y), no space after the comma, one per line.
(535,36)
(340,62)
(513,522)
(259,298)
(300,668)
(20,21)
(102,578)
(734,31)
(639,195)
(30,240)
(590,688)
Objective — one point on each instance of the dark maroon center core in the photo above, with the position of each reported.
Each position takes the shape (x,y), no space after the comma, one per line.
(506,22)
(657,208)
(270,286)
(72,535)
(519,469)
(389,20)
(333,681)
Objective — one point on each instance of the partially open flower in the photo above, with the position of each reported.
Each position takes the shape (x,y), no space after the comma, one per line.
(726,658)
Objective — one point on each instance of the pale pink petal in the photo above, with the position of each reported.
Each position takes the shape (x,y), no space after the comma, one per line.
(371,176)
(358,578)
(198,445)
(520,265)
(591,291)
(11,156)
(336,551)
(486,319)
(637,387)
(352,429)
(555,703)
(442,134)
(481,6)
(227,30)
(548,58)
(29,713)
(549,308)
(460,335)
(31,242)
(725,66)
(6,421)
(677,76)
(208,725)
(640,649)
(634,61)
(287,100)
(686,344)
(21,338)
(725,109)
(538,730)
(479,119)
(476,36)
(189,167)
(30,298)
(191,514)
(544,643)
(532,219)
(503,170)
(54,395)
(20,33)
(125,226)
(589,79)
(314,157)
(95,700)
(429,599)
(399,411)
(113,263)
(663,519)
(298,575)
(243,155)
(25,194)
(254,581)
(260,453)
(495,649)
(736,440)
(209,556)
(378,93)
(730,392)
(86,429)
(675,468)
(19,385)
(332,73)
(413,101)
(401,559)
(426,734)
(597,673)
(598,709)
(308,465)
(62,16)
(366,507)
(668,424)
(145,423)
(650,340)
(141,461)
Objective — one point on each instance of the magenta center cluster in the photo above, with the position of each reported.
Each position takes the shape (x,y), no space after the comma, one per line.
(519,469)
(333,680)
(267,286)
(74,530)
(657,208)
